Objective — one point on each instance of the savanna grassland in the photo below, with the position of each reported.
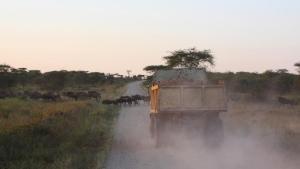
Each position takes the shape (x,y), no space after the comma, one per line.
(65,133)
(278,125)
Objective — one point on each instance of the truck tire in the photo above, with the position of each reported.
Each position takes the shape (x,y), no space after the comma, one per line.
(153,126)
(161,131)
(214,131)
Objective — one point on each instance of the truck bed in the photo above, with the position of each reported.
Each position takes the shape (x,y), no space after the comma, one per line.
(188,98)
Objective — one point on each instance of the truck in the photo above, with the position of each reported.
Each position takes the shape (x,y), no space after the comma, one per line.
(183,100)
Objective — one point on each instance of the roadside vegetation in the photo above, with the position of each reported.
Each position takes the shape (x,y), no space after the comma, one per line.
(277,125)
(57,135)
(261,86)
(54,134)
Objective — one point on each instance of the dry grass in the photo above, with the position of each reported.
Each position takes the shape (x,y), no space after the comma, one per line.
(54,135)
(264,120)
(264,115)
(73,140)
(16,113)
(112,91)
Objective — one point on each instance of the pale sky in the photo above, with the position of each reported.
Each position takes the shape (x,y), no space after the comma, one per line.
(116,35)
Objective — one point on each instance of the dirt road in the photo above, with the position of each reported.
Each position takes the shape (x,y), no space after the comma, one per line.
(134,149)
(132,145)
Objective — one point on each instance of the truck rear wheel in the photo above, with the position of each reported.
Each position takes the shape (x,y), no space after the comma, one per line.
(161,132)
(160,128)
(214,131)
(156,129)
(153,126)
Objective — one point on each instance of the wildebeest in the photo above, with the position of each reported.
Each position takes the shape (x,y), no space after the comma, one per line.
(83,95)
(120,101)
(3,94)
(33,95)
(71,95)
(127,100)
(48,96)
(51,96)
(136,98)
(94,95)
(6,94)
(285,101)
(108,102)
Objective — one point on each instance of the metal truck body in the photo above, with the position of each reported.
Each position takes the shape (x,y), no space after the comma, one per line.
(187,98)
(184,96)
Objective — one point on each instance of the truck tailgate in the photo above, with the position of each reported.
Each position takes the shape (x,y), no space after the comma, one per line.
(192,98)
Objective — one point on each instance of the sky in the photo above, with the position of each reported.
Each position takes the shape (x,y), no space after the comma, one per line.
(119,35)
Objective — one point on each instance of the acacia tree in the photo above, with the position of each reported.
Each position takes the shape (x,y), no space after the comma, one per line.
(282,71)
(186,58)
(189,58)
(298,67)
(154,68)
(5,68)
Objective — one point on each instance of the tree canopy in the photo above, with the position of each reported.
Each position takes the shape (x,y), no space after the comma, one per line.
(189,58)
(184,58)
(154,68)
(21,78)
(298,66)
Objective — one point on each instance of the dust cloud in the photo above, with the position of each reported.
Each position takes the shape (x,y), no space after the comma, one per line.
(243,146)
(235,152)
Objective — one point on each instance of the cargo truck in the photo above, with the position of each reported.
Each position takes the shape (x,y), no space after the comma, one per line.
(183,100)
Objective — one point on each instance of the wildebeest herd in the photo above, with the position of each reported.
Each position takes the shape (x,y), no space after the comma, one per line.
(74,95)
(52,96)
(127,100)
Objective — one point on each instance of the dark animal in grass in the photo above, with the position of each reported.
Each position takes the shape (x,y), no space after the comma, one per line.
(3,95)
(34,95)
(108,102)
(82,95)
(51,96)
(285,101)
(124,100)
(94,95)
(77,95)
(71,95)
(6,94)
